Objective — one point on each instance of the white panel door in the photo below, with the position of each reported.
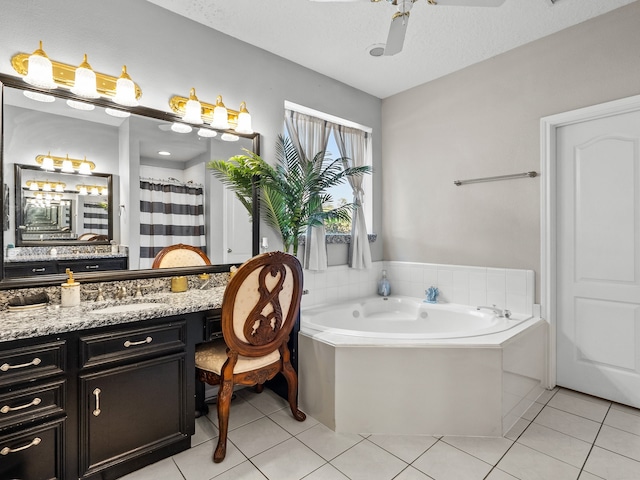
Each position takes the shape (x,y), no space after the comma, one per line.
(238,230)
(598,257)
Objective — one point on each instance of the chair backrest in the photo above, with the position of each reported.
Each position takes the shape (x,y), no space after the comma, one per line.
(261,303)
(180,255)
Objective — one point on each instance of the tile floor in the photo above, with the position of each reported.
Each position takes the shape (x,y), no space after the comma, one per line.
(564,435)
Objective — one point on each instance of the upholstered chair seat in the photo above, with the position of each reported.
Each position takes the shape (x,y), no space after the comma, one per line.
(211,357)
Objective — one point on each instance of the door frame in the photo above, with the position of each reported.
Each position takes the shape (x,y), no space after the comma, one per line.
(548,205)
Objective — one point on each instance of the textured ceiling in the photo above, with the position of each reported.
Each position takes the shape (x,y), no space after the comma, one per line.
(333,38)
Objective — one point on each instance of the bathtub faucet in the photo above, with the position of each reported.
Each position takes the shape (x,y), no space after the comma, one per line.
(498,311)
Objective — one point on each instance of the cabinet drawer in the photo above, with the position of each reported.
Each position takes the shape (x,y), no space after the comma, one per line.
(32,362)
(131,343)
(32,403)
(29,269)
(34,454)
(212,327)
(92,265)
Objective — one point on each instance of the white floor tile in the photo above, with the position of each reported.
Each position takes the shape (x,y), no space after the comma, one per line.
(626,409)
(405,447)
(624,421)
(258,436)
(568,423)
(205,431)
(244,471)
(525,463)
(290,460)
(327,443)
(267,402)
(444,462)
(487,449)
(366,461)
(547,395)
(555,444)
(578,406)
(612,466)
(588,476)
(285,419)
(499,475)
(197,462)
(241,412)
(411,473)
(585,396)
(533,411)
(162,470)
(517,429)
(618,441)
(326,472)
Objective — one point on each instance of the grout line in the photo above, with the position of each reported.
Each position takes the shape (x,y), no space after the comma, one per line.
(594,442)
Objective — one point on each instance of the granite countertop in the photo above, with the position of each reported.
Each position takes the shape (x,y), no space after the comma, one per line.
(54,319)
(62,256)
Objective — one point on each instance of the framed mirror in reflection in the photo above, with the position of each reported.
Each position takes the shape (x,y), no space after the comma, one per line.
(135,194)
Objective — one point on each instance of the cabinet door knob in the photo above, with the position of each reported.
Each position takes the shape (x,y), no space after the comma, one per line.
(7,450)
(32,403)
(97,411)
(5,366)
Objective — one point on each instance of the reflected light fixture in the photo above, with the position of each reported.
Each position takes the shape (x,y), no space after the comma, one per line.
(84,84)
(80,105)
(164,153)
(229,137)
(39,97)
(46,187)
(193,109)
(220,118)
(114,112)
(59,188)
(40,72)
(244,120)
(207,133)
(83,190)
(33,186)
(125,90)
(180,127)
(94,190)
(65,164)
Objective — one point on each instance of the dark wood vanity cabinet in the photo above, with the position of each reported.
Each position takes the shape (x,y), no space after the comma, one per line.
(99,403)
(29,269)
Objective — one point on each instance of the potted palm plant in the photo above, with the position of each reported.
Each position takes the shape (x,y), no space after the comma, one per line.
(293,192)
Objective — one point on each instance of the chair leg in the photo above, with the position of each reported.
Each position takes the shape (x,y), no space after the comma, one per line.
(258,387)
(292,387)
(224,400)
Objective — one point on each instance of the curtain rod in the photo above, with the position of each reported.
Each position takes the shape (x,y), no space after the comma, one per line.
(499,177)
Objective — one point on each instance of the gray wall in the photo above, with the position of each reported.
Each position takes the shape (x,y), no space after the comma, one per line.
(484,121)
(167,55)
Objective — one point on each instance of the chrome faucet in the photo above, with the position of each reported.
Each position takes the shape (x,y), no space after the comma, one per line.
(498,311)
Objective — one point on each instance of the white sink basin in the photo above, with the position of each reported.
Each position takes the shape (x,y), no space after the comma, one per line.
(133,307)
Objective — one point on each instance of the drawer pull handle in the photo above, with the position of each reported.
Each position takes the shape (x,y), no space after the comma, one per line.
(5,366)
(97,411)
(32,403)
(7,450)
(92,267)
(36,270)
(129,343)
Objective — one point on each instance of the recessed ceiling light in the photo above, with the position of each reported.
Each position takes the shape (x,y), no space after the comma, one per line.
(164,153)
(376,50)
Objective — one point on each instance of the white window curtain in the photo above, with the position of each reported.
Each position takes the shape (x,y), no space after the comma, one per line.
(310,135)
(353,144)
(170,212)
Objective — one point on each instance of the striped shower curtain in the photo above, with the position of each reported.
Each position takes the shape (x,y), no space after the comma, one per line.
(96,217)
(170,212)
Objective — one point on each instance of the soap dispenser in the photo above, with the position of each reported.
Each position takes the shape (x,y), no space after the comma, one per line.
(384,287)
(70,295)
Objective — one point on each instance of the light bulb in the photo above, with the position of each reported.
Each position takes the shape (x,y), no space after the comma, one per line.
(229,137)
(46,187)
(85,168)
(193,109)
(125,90)
(116,113)
(80,105)
(220,117)
(180,127)
(33,186)
(206,133)
(47,163)
(39,97)
(84,84)
(59,187)
(244,120)
(67,165)
(83,190)
(94,191)
(40,72)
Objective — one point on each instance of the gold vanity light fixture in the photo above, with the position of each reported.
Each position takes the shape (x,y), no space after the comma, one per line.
(82,80)
(45,185)
(92,189)
(65,164)
(217,115)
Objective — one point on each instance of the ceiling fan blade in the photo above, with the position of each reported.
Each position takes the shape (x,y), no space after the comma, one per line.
(467,3)
(397,31)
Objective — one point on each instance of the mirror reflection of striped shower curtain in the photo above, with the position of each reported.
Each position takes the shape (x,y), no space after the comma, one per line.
(170,212)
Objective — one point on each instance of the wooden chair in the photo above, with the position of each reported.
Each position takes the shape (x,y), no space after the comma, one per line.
(180,255)
(259,308)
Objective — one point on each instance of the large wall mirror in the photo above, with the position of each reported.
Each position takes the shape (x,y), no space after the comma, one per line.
(102,206)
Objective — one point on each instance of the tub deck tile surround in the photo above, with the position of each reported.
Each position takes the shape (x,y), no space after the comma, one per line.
(412,457)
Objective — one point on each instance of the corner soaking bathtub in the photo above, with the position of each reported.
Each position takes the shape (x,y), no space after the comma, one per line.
(399,365)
